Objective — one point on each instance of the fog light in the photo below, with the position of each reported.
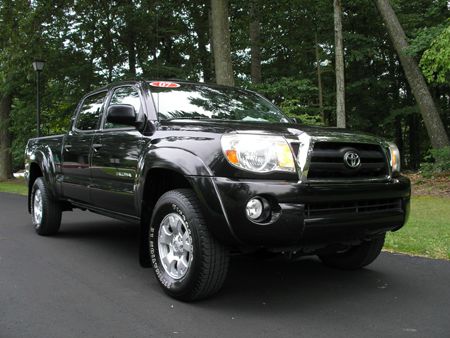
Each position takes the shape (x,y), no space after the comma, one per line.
(254,208)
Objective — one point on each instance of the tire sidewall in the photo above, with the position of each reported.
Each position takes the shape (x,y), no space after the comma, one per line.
(181,286)
(38,186)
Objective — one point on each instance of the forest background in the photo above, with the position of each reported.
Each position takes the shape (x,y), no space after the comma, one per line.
(285,49)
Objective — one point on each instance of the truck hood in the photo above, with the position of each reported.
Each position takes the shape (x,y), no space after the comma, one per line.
(283,129)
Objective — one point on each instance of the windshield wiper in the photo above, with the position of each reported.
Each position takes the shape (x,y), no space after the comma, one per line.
(188,118)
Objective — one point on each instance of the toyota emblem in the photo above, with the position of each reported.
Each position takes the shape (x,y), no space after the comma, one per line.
(352,159)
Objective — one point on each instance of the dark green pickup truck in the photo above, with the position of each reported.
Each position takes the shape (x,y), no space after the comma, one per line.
(209,170)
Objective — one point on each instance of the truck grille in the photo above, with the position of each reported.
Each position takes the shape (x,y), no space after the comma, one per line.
(313,210)
(327,161)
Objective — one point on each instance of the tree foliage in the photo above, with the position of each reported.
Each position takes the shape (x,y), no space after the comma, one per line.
(87,44)
(435,61)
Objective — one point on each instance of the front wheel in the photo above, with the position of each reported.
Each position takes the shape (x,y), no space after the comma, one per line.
(188,262)
(45,211)
(357,256)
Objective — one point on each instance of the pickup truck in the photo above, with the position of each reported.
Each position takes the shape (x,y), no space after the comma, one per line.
(208,171)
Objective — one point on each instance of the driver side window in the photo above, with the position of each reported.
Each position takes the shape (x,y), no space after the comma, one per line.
(124,95)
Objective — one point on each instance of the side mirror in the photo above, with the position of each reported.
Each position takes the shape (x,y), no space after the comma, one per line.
(121,114)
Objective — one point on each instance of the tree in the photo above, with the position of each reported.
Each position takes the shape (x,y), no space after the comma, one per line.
(10,56)
(199,12)
(339,54)
(5,137)
(88,43)
(221,42)
(128,34)
(255,42)
(430,115)
(435,61)
(319,77)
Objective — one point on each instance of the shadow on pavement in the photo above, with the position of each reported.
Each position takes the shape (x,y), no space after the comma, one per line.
(252,283)
(300,284)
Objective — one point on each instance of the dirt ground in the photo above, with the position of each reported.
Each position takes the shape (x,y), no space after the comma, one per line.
(438,185)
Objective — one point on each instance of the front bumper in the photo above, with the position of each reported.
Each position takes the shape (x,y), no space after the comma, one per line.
(295,225)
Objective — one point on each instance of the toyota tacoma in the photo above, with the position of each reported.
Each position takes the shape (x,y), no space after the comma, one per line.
(208,170)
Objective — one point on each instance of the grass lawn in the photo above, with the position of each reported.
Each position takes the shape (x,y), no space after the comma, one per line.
(426,234)
(15,186)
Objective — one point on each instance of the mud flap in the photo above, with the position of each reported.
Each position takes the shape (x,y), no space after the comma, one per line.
(144,244)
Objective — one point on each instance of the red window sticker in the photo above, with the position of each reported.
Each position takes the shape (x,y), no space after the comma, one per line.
(164,84)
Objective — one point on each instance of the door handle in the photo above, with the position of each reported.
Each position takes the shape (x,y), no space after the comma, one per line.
(96,146)
(67,147)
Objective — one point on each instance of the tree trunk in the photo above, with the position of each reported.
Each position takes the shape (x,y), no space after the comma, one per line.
(132,56)
(414,141)
(430,115)
(200,20)
(5,138)
(221,42)
(399,136)
(205,57)
(211,58)
(319,79)
(255,42)
(109,56)
(339,52)
(130,36)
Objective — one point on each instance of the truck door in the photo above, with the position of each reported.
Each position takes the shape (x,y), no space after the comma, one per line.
(77,148)
(115,158)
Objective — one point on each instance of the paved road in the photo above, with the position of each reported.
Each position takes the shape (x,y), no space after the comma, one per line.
(86,282)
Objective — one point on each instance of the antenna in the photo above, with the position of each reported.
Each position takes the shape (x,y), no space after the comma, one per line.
(157,40)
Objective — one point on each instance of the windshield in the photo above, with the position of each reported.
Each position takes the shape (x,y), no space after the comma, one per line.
(194,101)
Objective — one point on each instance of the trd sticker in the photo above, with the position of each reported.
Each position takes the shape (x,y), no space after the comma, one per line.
(164,84)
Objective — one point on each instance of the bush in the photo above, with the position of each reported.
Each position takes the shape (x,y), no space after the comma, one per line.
(437,161)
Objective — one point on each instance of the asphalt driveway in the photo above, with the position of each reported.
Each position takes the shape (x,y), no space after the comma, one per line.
(86,282)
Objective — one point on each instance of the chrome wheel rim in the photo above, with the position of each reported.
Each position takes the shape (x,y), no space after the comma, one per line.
(37,207)
(175,246)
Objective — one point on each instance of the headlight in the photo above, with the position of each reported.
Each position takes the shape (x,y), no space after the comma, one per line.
(394,156)
(258,153)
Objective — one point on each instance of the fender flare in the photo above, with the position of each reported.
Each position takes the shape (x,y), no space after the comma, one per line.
(43,158)
(178,160)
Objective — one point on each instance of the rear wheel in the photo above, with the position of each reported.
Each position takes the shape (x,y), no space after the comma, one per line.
(45,211)
(188,262)
(357,256)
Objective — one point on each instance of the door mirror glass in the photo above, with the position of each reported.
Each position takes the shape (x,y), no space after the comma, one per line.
(123,114)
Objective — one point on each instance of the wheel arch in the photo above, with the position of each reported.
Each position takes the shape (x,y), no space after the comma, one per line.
(157,182)
(168,169)
(162,163)
(41,164)
(35,172)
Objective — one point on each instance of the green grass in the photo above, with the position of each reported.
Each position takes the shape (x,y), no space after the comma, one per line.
(427,232)
(16,186)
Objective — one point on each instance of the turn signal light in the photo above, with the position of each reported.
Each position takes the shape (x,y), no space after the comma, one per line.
(232,156)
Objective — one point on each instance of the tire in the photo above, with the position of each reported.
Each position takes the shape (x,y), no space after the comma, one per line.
(188,262)
(45,211)
(357,256)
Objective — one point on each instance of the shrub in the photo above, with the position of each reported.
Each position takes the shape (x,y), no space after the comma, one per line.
(437,161)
